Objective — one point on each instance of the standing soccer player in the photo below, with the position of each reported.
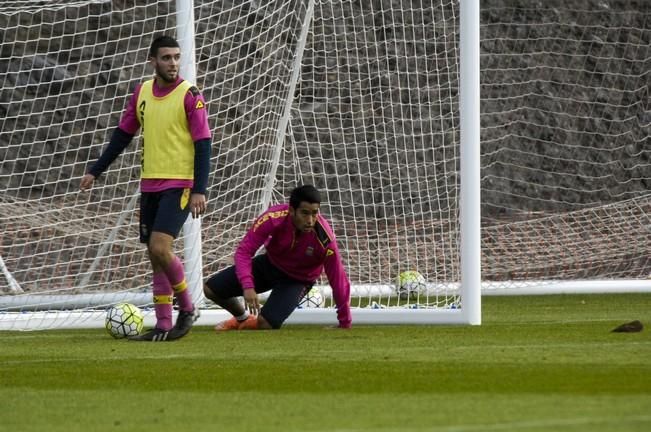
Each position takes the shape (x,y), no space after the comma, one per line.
(171,114)
(299,245)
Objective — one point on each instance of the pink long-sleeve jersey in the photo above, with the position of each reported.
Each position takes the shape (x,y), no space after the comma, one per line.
(303,256)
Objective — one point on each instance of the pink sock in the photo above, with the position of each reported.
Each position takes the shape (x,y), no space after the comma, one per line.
(176,276)
(163,301)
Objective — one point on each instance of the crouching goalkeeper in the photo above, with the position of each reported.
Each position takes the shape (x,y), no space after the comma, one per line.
(299,245)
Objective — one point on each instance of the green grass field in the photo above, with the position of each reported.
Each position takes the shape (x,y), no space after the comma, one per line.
(544,363)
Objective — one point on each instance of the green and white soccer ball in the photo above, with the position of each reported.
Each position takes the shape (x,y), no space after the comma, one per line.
(313,299)
(123,320)
(410,284)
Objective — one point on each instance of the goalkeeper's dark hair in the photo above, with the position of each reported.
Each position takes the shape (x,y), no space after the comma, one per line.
(305,193)
(162,42)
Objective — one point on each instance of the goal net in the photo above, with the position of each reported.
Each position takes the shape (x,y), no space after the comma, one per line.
(566,160)
(360,99)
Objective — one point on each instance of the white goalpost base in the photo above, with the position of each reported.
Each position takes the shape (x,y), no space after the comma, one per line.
(95,319)
(68,311)
(376,103)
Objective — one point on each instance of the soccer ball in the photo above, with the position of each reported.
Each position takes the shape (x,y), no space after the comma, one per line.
(124,319)
(313,299)
(410,284)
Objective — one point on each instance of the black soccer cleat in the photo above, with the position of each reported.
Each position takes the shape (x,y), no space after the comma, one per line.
(153,335)
(184,322)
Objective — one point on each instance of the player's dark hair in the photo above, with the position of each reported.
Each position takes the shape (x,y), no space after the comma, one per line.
(304,193)
(162,42)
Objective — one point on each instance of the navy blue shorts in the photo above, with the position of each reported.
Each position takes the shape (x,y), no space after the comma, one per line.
(165,211)
(285,294)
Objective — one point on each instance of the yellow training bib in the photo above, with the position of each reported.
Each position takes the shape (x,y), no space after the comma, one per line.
(167,150)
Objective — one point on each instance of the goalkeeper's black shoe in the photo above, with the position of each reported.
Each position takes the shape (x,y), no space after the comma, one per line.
(153,335)
(184,322)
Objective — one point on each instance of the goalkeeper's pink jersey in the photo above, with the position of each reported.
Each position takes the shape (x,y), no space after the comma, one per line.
(302,256)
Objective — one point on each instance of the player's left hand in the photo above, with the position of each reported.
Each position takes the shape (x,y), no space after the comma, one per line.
(251,302)
(197,204)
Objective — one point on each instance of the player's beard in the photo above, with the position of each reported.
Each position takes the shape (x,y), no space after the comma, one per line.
(166,76)
(303,227)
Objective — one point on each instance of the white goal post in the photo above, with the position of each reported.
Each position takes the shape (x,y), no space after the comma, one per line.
(377,103)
